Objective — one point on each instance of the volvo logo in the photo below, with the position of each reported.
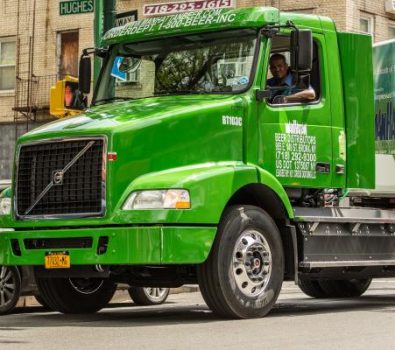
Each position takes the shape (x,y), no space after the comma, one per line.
(57,177)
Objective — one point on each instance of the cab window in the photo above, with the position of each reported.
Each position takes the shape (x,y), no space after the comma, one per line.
(281,81)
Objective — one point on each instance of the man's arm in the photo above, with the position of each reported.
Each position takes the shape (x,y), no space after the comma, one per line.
(305,95)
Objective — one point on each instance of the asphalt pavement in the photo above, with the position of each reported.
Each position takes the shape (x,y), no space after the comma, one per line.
(185,322)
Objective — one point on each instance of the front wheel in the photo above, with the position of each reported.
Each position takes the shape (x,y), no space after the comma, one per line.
(243,275)
(148,296)
(41,301)
(76,295)
(10,288)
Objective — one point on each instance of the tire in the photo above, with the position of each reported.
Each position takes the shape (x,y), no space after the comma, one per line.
(345,288)
(243,274)
(148,296)
(10,288)
(41,301)
(76,295)
(312,288)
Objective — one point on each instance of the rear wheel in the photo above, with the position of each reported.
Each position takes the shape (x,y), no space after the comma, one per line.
(345,288)
(311,288)
(148,296)
(76,295)
(243,275)
(10,288)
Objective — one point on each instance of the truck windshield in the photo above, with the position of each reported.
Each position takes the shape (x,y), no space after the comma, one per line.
(218,62)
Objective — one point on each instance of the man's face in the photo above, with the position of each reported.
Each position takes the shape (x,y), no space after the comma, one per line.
(278,68)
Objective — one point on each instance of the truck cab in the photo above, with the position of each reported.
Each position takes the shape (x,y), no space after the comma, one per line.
(208,169)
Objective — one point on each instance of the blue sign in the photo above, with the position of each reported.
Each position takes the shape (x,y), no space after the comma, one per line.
(115,72)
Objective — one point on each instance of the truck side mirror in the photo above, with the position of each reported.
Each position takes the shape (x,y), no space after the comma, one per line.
(85,74)
(301,50)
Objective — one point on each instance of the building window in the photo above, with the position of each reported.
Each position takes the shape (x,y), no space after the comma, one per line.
(68,50)
(366,24)
(7,63)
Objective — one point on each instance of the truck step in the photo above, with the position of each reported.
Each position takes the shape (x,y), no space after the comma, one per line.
(344,215)
(340,237)
(342,263)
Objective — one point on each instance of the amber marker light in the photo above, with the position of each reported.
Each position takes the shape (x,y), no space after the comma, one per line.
(183,205)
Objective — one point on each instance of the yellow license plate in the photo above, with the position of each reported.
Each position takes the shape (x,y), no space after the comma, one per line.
(57,260)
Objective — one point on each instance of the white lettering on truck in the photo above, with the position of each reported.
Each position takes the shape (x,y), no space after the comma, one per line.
(230,120)
(296,155)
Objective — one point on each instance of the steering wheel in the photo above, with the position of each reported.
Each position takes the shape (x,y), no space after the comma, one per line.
(279,99)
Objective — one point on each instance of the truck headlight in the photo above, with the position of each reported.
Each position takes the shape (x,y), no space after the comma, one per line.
(5,206)
(158,199)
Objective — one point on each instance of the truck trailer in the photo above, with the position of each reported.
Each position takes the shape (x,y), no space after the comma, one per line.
(193,164)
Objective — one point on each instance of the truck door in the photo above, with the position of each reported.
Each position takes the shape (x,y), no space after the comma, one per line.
(296,138)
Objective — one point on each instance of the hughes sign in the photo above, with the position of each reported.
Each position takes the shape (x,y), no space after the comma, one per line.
(75,7)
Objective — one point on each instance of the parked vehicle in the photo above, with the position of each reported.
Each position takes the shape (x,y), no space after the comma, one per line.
(203,172)
(16,282)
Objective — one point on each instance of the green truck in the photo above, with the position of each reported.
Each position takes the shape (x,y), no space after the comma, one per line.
(206,169)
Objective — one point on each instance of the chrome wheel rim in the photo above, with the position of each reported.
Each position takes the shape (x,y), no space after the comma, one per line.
(156,294)
(7,286)
(86,285)
(252,263)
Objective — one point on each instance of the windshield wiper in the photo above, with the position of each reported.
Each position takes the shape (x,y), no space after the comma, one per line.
(179,92)
(110,99)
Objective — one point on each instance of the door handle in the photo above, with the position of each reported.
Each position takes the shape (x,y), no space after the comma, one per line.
(340,169)
(324,168)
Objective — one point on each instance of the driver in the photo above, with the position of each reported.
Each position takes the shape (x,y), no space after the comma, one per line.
(283,79)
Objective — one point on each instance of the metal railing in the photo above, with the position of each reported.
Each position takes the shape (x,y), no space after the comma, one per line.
(33,94)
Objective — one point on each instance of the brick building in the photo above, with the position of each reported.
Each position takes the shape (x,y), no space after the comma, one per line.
(40,42)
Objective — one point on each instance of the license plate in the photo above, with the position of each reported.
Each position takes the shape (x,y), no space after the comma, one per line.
(57,260)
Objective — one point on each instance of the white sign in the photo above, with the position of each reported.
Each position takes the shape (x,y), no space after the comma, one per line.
(186,6)
(296,152)
(125,17)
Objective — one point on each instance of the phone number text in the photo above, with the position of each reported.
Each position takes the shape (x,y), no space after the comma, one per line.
(177,7)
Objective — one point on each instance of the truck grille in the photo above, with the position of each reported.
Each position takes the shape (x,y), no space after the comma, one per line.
(61,178)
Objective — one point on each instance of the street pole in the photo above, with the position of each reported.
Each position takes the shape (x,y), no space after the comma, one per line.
(104,20)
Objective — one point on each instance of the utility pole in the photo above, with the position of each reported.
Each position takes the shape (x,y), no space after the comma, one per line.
(105,13)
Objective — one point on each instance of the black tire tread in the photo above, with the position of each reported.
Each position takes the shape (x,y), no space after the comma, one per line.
(345,288)
(213,293)
(311,288)
(41,301)
(18,286)
(211,289)
(61,297)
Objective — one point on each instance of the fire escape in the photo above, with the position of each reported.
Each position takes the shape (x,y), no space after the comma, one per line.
(32,92)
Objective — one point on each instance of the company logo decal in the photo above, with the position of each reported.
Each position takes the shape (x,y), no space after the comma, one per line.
(57,177)
(295,152)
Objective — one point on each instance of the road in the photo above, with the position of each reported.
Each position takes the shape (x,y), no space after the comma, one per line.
(184,322)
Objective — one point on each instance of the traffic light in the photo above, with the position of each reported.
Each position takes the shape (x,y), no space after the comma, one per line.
(66,99)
